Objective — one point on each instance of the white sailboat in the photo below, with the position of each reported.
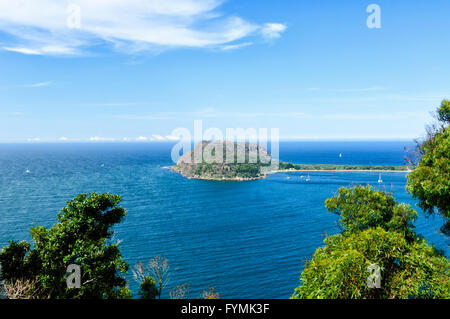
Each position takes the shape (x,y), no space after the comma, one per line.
(379,179)
(340,155)
(308,178)
(27,171)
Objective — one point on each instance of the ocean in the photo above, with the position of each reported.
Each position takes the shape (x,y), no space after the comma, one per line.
(246,239)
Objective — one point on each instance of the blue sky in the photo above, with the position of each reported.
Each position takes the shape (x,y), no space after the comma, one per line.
(313,69)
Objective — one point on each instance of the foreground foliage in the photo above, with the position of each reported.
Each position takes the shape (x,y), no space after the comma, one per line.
(362,207)
(408,270)
(376,231)
(430,180)
(80,237)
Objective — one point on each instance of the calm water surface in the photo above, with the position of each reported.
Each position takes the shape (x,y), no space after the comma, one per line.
(246,239)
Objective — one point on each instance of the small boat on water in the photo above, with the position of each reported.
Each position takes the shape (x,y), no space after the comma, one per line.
(380,180)
(340,155)
(27,171)
(308,178)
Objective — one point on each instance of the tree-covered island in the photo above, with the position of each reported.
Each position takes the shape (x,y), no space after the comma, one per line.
(224,161)
(243,161)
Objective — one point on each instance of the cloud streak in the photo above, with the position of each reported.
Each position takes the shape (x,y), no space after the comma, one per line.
(270,115)
(273,30)
(38,85)
(152,138)
(209,114)
(349,90)
(46,27)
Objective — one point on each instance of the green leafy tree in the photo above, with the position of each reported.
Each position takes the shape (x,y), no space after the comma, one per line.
(362,207)
(377,231)
(429,182)
(444,111)
(148,289)
(408,270)
(155,273)
(82,236)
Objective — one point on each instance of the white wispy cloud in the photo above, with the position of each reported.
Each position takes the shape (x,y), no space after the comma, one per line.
(12,114)
(404,97)
(142,139)
(172,138)
(101,139)
(209,113)
(235,46)
(273,30)
(375,116)
(39,84)
(366,89)
(36,49)
(114,104)
(22,50)
(155,138)
(213,113)
(46,27)
(349,90)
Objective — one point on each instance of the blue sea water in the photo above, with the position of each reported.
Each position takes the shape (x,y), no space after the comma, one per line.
(248,240)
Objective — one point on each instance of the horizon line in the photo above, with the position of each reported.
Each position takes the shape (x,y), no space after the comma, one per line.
(399,139)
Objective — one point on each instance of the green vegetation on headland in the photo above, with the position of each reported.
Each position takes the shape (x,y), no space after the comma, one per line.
(332,167)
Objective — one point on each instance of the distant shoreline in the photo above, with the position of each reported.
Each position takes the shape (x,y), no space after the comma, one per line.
(291,170)
(340,170)
(290,167)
